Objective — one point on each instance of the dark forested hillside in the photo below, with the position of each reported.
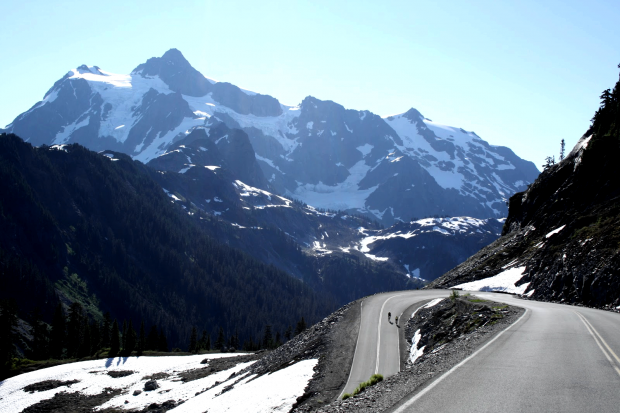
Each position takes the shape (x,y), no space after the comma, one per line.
(79,226)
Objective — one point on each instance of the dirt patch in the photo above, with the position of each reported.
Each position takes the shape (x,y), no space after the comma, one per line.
(71,402)
(48,385)
(216,365)
(156,376)
(115,374)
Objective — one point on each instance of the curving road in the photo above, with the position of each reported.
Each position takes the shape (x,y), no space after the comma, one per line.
(555,358)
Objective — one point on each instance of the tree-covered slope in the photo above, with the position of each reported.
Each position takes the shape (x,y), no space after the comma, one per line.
(99,230)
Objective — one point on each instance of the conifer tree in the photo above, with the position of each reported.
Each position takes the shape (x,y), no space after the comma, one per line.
(115,342)
(268,338)
(301,326)
(278,342)
(141,340)
(85,345)
(95,337)
(152,340)
(58,335)
(8,321)
(288,333)
(219,343)
(163,342)
(131,340)
(562,147)
(124,336)
(202,343)
(208,345)
(193,342)
(40,336)
(75,332)
(105,330)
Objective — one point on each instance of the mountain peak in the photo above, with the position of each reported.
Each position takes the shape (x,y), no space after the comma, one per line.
(413,115)
(176,72)
(175,55)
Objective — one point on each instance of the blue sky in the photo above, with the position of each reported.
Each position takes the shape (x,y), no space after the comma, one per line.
(522,74)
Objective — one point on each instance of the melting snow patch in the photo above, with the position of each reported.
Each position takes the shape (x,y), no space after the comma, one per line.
(62,147)
(212,167)
(93,377)
(433,303)
(504,281)
(275,392)
(416,352)
(555,231)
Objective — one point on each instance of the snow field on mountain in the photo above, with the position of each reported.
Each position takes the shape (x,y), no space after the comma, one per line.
(504,282)
(270,393)
(342,196)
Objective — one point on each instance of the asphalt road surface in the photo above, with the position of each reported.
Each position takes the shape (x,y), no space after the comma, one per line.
(555,358)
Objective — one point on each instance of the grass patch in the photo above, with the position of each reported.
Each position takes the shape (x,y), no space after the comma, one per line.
(374,379)
(477,300)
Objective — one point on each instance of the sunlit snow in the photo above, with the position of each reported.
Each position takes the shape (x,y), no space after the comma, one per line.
(504,281)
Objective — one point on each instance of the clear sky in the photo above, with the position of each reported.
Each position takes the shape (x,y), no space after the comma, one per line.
(522,74)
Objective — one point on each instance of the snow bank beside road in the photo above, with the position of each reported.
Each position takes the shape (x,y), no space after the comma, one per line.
(504,282)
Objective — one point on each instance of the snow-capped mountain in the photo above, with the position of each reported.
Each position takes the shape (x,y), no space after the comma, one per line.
(391,169)
(196,177)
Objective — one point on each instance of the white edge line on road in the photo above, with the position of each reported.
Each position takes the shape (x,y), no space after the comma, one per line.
(354,354)
(453,369)
(594,335)
(400,317)
(379,331)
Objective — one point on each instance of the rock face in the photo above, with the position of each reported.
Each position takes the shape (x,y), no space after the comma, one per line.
(390,169)
(564,231)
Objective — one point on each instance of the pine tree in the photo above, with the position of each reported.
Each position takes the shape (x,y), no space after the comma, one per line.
(208,345)
(163,341)
(40,336)
(278,342)
(8,321)
(288,333)
(202,343)
(549,162)
(219,343)
(131,340)
(124,336)
(562,148)
(193,345)
(86,344)
(58,335)
(75,332)
(95,337)
(105,330)
(301,326)
(268,338)
(115,341)
(141,340)
(152,340)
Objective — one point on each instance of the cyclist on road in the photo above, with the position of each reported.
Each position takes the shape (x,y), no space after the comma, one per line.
(396,320)
(389,316)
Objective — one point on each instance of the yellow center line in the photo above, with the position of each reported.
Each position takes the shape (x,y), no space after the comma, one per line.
(598,339)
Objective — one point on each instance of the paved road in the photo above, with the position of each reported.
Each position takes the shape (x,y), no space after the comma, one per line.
(377,345)
(556,358)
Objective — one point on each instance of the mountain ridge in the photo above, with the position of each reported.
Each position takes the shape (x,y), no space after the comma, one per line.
(319,152)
